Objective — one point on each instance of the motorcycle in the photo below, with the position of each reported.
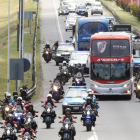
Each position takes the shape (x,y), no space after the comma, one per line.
(5,110)
(67,130)
(56,91)
(65,74)
(48,114)
(88,118)
(9,133)
(47,55)
(27,136)
(18,117)
(29,119)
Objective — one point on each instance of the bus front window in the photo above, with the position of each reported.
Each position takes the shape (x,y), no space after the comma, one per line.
(110,71)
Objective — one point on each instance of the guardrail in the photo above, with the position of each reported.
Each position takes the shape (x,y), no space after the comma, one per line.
(31,91)
(118,19)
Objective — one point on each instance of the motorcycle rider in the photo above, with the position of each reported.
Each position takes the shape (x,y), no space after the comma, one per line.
(47,47)
(24,95)
(13,124)
(15,94)
(19,102)
(27,129)
(14,99)
(68,115)
(34,113)
(49,100)
(8,99)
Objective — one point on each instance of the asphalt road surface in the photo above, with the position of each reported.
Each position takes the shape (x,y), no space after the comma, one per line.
(118,118)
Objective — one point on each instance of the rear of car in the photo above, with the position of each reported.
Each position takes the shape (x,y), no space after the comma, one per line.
(111,18)
(79,57)
(73,98)
(82,10)
(89,2)
(96,8)
(63,52)
(70,22)
(63,10)
(72,7)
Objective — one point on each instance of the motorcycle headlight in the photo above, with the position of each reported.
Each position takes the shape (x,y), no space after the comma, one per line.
(58,54)
(65,72)
(77,79)
(138,86)
(16,114)
(55,88)
(88,113)
(66,126)
(7,109)
(29,119)
(71,64)
(126,85)
(48,110)
(8,132)
(47,52)
(60,11)
(18,118)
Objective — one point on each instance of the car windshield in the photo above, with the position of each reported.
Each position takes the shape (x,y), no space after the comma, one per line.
(110,71)
(64,7)
(65,48)
(76,94)
(110,18)
(76,56)
(81,7)
(137,55)
(84,45)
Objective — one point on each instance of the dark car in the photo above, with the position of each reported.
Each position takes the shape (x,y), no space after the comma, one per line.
(82,10)
(63,10)
(63,52)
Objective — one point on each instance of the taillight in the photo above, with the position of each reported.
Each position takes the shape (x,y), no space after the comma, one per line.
(127,91)
(94,91)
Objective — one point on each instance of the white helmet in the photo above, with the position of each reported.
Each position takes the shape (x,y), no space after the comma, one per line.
(64,62)
(49,95)
(89,90)
(8,96)
(19,99)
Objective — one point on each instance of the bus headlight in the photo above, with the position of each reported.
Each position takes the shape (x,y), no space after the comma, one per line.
(95,86)
(126,85)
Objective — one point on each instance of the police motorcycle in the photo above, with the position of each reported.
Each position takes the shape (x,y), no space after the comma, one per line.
(29,118)
(48,114)
(18,117)
(65,74)
(5,110)
(56,91)
(9,133)
(67,130)
(78,80)
(88,118)
(27,136)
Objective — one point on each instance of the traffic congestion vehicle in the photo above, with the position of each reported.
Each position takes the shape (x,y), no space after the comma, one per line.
(63,10)
(63,52)
(84,28)
(72,7)
(82,10)
(96,8)
(73,98)
(110,64)
(89,2)
(70,22)
(111,18)
(78,57)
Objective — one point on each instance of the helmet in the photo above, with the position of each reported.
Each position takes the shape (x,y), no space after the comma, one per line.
(89,99)
(23,92)
(15,93)
(89,90)
(15,96)
(27,125)
(8,96)
(68,109)
(58,75)
(64,62)
(49,96)
(19,98)
(10,116)
(47,45)
(20,90)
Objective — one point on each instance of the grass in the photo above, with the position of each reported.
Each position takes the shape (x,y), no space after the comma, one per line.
(28,43)
(126,17)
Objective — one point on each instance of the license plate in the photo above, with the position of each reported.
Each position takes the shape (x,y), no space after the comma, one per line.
(82,13)
(75,108)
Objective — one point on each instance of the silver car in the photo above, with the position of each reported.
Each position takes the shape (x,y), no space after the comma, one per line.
(96,8)
(70,22)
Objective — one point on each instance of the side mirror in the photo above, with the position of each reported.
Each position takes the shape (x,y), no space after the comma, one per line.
(41,101)
(75,117)
(37,111)
(59,117)
(50,81)
(70,36)
(134,52)
(64,21)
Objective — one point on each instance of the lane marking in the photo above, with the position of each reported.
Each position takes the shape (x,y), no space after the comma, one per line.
(94,137)
(57,21)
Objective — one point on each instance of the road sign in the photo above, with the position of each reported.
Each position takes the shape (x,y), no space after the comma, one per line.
(28,56)
(26,64)
(16,69)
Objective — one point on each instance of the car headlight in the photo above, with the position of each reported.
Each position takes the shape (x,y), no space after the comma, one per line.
(65,103)
(58,54)
(95,86)
(67,24)
(138,86)
(60,11)
(126,85)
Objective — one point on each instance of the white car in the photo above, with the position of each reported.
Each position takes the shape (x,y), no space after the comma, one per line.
(72,7)
(89,2)
(96,8)
(79,57)
(70,22)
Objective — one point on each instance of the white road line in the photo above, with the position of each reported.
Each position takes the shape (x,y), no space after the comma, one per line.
(94,137)
(57,21)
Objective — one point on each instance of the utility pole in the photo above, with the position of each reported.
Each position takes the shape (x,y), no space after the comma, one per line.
(8,50)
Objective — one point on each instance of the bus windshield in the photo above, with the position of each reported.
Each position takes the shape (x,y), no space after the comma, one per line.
(110,71)
(91,28)
(110,48)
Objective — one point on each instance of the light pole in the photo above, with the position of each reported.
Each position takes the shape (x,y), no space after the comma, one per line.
(8,50)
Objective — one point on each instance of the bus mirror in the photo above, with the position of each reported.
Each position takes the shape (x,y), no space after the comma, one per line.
(134,51)
(70,36)
(64,21)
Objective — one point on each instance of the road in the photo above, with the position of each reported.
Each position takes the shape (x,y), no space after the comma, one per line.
(118,119)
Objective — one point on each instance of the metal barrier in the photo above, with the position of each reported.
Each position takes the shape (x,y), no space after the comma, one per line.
(118,19)
(31,92)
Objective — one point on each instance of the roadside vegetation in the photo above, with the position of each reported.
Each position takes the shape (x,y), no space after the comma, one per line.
(28,43)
